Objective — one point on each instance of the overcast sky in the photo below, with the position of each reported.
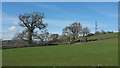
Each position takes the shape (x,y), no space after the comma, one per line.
(60,14)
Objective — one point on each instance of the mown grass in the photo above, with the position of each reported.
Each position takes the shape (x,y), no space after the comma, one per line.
(103,52)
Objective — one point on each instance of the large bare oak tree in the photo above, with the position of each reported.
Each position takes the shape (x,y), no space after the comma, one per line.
(32,21)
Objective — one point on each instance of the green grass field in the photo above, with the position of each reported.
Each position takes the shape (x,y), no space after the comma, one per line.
(103,52)
(102,36)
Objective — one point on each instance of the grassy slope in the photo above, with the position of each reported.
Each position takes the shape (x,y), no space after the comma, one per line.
(103,52)
(102,36)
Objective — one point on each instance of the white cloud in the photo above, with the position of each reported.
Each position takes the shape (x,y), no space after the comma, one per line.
(9,26)
(9,33)
(12,29)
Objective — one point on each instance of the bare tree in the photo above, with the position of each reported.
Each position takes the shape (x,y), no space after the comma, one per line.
(43,37)
(21,35)
(32,21)
(73,30)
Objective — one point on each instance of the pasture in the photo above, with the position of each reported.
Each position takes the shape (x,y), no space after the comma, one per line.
(102,52)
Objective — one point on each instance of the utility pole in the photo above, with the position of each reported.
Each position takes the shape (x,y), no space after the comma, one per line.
(96,26)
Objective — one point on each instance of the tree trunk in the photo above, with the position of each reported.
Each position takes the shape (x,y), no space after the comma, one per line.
(72,39)
(30,36)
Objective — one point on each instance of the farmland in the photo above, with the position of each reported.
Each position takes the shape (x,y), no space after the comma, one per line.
(102,52)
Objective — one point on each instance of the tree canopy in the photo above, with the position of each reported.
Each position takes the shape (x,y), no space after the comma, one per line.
(32,21)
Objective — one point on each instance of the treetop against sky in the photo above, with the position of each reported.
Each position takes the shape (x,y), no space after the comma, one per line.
(60,14)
